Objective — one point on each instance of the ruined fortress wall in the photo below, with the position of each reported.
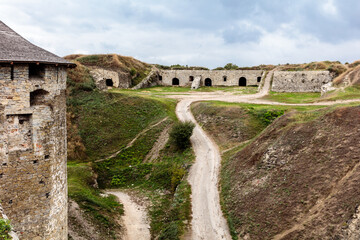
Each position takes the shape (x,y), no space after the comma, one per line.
(119,79)
(33,184)
(216,76)
(301,81)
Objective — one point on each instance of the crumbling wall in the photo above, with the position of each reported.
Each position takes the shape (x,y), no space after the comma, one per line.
(119,79)
(152,79)
(218,77)
(33,184)
(301,81)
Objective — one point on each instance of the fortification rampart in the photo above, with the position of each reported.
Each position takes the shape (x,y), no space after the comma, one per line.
(33,185)
(301,81)
(211,77)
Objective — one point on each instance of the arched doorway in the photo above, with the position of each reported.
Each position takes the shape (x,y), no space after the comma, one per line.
(242,82)
(208,82)
(175,82)
(109,83)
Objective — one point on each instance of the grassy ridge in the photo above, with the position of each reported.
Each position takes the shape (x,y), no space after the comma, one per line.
(108,121)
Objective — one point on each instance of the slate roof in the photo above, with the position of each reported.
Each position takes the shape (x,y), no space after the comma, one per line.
(15,48)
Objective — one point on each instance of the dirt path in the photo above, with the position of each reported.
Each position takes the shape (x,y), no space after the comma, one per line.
(207,218)
(135,219)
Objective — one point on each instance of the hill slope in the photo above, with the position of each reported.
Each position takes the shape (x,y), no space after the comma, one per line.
(298,180)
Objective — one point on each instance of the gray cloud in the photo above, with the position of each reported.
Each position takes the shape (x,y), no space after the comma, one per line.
(202,32)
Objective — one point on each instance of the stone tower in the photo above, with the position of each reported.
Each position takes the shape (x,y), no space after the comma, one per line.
(33,185)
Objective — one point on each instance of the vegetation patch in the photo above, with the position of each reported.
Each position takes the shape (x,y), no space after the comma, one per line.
(101,210)
(163,181)
(292,97)
(231,124)
(5,229)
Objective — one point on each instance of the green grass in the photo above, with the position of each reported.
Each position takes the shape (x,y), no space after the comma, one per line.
(101,209)
(108,121)
(352,92)
(259,107)
(163,90)
(292,97)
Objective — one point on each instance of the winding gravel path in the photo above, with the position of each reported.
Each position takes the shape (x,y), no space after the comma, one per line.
(207,218)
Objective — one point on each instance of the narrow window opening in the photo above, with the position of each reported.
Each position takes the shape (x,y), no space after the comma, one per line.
(225,78)
(47,156)
(36,72)
(12,72)
(259,79)
(160,78)
(191,78)
(35,161)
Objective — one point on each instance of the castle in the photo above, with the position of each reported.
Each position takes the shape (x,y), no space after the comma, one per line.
(33,184)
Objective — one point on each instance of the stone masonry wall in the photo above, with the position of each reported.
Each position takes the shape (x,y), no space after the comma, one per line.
(33,184)
(301,81)
(232,77)
(120,79)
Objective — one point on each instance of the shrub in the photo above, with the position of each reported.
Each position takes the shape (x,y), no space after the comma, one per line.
(180,134)
(5,229)
(132,71)
(231,66)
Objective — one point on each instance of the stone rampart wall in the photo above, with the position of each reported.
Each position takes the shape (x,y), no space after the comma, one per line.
(217,77)
(301,81)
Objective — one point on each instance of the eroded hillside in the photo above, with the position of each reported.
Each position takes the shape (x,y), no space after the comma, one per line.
(298,180)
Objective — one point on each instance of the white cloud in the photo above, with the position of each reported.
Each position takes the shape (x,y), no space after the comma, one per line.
(159,32)
(329,7)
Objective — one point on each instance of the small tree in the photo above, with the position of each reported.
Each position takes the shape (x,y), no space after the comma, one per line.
(231,66)
(180,134)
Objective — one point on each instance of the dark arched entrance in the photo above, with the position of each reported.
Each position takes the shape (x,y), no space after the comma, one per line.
(242,82)
(175,82)
(208,82)
(109,82)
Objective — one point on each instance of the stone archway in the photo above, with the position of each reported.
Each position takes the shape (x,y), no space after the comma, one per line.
(208,82)
(242,82)
(175,82)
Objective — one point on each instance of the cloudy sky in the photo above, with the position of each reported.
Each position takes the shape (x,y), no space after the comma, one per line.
(207,33)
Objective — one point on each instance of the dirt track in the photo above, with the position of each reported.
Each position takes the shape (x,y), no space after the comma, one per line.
(135,219)
(208,221)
